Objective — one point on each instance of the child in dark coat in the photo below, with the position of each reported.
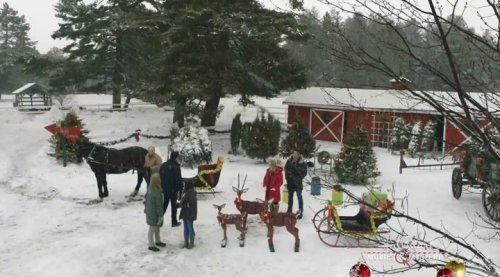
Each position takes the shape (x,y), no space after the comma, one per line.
(189,210)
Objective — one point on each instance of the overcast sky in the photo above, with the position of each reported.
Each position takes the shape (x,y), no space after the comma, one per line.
(40,15)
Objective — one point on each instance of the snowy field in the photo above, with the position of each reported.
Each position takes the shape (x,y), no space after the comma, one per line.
(46,229)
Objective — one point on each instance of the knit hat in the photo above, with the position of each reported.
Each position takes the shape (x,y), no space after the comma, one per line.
(174,155)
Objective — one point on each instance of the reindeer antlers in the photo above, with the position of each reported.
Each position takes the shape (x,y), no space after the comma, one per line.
(242,189)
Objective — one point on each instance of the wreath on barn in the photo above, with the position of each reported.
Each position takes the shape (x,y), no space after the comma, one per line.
(323,157)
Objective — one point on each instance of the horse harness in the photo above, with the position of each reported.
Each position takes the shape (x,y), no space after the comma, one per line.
(91,159)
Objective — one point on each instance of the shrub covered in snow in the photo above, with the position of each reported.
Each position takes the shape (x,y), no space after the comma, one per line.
(401,134)
(193,145)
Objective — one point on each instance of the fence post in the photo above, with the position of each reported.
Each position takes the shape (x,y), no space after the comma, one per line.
(401,161)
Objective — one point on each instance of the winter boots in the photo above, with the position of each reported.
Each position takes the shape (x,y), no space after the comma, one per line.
(154,248)
(191,242)
(188,242)
(275,207)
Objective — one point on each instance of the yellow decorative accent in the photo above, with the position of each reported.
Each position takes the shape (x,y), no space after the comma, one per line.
(206,186)
(333,214)
(456,267)
(284,195)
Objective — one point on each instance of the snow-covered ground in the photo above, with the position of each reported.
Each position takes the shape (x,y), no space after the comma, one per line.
(46,229)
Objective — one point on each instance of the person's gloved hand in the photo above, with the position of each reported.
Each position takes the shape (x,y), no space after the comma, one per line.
(160,221)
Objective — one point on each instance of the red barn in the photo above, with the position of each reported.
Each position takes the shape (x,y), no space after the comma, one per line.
(331,113)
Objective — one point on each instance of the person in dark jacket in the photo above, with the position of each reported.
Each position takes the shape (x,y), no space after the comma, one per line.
(171,182)
(189,210)
(154,212)
(295,171)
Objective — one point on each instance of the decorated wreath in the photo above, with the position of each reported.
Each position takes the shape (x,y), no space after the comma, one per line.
(323,157)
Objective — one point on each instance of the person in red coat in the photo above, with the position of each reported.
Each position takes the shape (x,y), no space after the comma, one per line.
(272,182)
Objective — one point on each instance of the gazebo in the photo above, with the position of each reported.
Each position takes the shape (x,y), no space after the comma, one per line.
(32,96)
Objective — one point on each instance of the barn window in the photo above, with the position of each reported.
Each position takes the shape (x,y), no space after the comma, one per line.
(381,129)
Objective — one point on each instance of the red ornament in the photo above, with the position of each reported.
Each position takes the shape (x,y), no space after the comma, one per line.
(444,272)
(137,136)
(359,270)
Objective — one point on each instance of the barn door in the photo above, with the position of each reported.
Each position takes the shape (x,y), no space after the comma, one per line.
(327,125)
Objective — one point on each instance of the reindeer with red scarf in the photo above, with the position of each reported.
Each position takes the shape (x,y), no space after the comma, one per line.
(273,218)
(235,219)
(246,207)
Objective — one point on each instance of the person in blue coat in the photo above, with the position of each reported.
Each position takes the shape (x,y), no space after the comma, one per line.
(171,182)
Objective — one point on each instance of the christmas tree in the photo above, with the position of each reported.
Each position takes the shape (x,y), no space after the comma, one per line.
(56,140)
(415,136)
(357,162)
(298,138)
(193,145)
(263,139)
(236,134)
(429,136)
(400,135)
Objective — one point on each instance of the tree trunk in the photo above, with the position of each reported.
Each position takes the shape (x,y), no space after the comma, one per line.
(180,112)
(209,114)
(117,73)
(127,100)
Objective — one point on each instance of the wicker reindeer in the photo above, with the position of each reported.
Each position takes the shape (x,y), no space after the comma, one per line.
(246,207)
(273,218)
(225,219)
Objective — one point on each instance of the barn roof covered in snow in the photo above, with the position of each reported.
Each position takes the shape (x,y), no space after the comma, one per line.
(373,99)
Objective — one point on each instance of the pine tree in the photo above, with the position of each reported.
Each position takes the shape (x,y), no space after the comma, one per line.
(70,120)
(193,145)
(415,137)
(117,51)
(401,134)
(14,45)
(358,162)
(236,134)
(429,136)
(263,140)
(298,138)
(245,135)
(220,48)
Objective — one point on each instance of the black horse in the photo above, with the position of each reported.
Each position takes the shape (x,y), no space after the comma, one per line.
(103,160)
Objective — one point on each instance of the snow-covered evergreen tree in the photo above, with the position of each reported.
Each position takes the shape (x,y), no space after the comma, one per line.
(358,162)
(298,138)
(264,137)
(193,145)
(401,134)
(429,136)
(415,137)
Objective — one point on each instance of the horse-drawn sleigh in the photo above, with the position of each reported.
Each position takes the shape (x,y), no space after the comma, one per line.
(478,171)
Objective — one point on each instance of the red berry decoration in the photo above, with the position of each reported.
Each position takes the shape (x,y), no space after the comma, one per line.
(359,270)
(444,272)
